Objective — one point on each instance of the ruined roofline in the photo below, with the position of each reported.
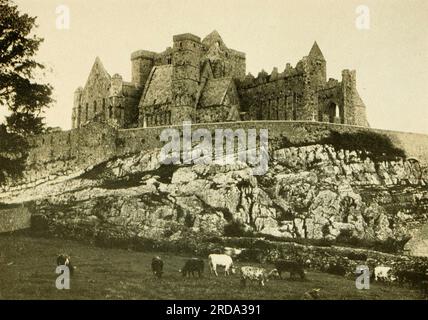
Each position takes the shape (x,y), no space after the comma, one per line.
(186,36)
(263,77)
(237,53)
(143,54)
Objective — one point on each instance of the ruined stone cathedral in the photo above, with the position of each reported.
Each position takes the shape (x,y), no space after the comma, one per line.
(205,81)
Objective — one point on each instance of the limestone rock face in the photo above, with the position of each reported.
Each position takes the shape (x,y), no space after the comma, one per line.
(312,192)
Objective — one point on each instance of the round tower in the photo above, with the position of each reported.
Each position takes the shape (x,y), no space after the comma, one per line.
(142,64)
(185,76)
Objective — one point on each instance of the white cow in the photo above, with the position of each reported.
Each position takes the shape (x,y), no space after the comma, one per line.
(261,275)
(384,274)
(222,260)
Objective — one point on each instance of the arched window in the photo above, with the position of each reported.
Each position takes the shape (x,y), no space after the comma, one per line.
(334,113)
(95,107)
(144,120)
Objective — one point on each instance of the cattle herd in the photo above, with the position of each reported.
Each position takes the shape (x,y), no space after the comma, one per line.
(296,268)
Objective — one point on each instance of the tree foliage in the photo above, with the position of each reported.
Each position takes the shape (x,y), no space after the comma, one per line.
(21,92)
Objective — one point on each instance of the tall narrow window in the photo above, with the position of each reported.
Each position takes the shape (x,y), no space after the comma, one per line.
(79,113)
(286,108)
(86,111)
(294,106)
(95,107)
(333,112)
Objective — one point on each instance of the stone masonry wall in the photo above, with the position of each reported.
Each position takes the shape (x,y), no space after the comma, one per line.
(14,218)
(60,154)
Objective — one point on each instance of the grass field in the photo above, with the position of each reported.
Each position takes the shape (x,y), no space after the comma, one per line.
(27,271)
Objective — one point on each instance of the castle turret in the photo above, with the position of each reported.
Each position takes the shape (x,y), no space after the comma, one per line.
(353,105)
(116,107)
(77,108)
(142,64)
(185,76)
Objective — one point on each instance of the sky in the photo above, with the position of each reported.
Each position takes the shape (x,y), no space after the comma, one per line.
(390,57)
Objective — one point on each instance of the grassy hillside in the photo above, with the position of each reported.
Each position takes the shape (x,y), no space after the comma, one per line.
(27,271)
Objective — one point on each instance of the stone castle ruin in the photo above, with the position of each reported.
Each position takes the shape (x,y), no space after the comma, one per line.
(103,178)
(205,82)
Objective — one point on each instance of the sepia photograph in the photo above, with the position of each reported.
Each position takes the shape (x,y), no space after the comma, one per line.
(226,151)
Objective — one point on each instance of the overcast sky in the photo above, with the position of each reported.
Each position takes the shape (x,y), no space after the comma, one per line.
(391,57)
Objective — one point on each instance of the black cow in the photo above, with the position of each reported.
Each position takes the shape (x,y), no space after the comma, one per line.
(336,269)
(65,260)
(295,268)
(193,265)
(412,278)
(157,266)
(424,288)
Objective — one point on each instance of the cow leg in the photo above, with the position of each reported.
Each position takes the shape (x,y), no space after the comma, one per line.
(211,268)
(262,283)
(280,274)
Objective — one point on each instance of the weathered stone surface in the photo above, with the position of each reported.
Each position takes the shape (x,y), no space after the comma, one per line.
(299,198)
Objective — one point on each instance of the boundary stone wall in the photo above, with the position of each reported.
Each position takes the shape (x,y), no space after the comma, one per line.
(14,218)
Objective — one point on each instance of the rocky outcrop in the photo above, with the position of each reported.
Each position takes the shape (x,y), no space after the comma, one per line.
(314,192)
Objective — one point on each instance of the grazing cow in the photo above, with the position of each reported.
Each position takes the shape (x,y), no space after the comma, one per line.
(65,260)
(295,268)
(222,260)
(336,269)
(260,275)
(413,278)
(424,288)
(157,266)
(191,266)
(384,274)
